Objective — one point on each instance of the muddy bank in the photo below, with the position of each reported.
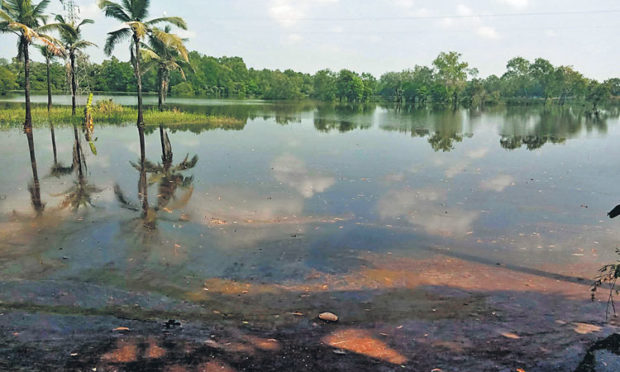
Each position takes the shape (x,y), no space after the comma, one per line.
(56,325)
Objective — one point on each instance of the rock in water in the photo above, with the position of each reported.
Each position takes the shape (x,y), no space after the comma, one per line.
(328,317)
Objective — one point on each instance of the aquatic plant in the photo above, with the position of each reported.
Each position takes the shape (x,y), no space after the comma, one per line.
(608,275)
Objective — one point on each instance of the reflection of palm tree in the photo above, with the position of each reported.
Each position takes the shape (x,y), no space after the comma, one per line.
(34,187)
(169,179)
(80,194)
(58,169)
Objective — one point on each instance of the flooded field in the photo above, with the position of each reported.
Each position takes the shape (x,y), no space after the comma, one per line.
(442,240)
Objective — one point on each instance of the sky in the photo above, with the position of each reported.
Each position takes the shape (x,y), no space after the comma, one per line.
(378,36)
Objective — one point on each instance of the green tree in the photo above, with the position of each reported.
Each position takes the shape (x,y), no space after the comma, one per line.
(452,73)
(24,19)
(349,86)
(8,80)
(542,73)
(324,85)
(133,14)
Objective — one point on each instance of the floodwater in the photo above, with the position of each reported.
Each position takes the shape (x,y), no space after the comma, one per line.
(410,225)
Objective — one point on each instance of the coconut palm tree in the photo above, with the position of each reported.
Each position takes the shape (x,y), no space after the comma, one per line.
(24,19)
(71,37)
(133,14)
(165,58)
(49,54)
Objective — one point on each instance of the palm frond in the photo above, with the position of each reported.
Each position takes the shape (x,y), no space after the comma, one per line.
(39,9)
(114,38)
(5,16)
(176,21)
(114,10)
(85,22)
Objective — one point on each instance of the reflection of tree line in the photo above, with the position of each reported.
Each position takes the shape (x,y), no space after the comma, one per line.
(521,127)
(343,117)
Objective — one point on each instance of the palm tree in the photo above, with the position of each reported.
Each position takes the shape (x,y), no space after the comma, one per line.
(49,54)
(71,37)
(133,14)
(165,57)
(23,18)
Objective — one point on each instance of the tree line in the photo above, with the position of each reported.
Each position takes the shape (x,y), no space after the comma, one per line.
(448,81)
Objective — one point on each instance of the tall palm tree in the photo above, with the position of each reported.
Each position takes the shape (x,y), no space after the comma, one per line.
(49,54)
(165,57)
(71,37)
(133,14)
(24,18)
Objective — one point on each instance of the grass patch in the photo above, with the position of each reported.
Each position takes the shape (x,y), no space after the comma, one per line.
(111,113)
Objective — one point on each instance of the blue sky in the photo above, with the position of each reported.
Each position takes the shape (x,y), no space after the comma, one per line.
(387,35)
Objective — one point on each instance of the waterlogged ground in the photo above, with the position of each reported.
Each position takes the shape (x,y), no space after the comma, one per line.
(442,240)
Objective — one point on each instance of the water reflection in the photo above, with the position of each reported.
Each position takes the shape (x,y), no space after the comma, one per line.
(80,194)
(34,187)
(167,176)
(534,128)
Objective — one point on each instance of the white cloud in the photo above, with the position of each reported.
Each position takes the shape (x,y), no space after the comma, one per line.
(469,22)
(518,4)
(288,12)
(487,32)
(294,38)
(464,10)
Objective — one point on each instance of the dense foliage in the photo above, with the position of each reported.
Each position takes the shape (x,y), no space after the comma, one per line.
(448,81)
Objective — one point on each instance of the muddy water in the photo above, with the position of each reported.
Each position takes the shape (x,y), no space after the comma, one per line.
(391,218)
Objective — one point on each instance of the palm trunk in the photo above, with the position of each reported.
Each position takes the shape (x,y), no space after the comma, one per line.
(28,121)
(49,84)
(142,183)
(140,122)
(160,90)
(73,83)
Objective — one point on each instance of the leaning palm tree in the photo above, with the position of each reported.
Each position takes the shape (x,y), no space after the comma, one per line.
(133,14)
(24,19)
(71,37)
(165,57)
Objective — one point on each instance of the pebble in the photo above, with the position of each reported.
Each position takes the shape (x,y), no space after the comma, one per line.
(328,317)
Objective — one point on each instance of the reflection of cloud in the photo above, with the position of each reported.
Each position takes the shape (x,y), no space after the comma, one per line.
(478,153)
(424,208)
(456,169)
(497,184)
(293,172)
(236,205)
